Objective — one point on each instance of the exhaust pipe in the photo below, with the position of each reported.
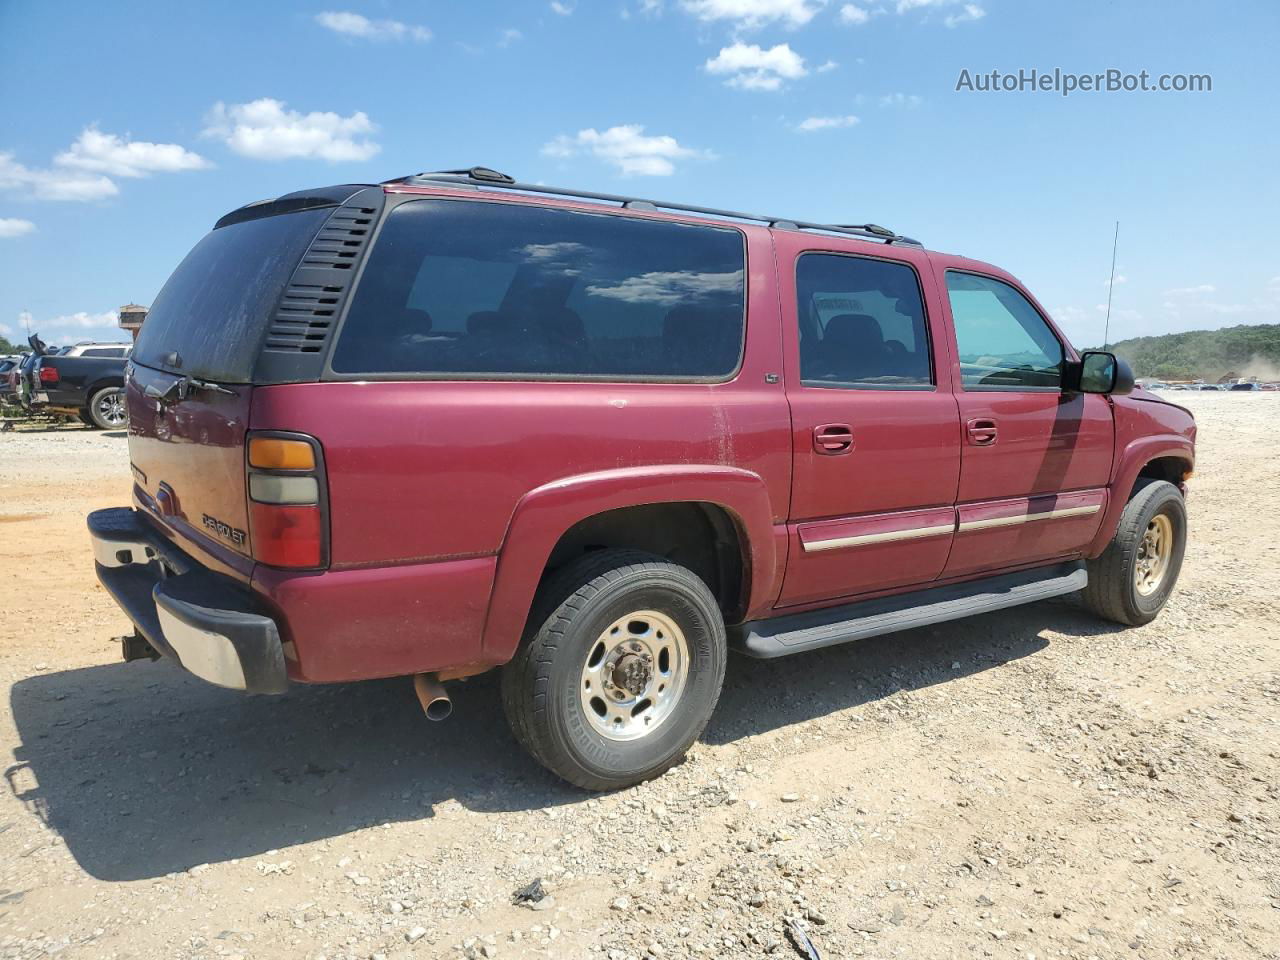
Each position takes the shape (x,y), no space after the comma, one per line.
(433,697)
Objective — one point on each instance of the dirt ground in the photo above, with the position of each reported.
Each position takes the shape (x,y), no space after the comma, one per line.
(1032,783)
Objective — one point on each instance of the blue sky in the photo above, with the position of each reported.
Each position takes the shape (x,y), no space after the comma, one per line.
(127,129)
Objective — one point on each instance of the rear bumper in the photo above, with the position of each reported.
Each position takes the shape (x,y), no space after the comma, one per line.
(207,622)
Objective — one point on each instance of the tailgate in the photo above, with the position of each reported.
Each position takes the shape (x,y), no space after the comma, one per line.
(187,456)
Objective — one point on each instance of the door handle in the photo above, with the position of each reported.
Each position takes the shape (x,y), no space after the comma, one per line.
(833,438)
(982,432)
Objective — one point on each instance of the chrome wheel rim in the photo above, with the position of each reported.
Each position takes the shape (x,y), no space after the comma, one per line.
(634,675)
(111,408)
(1152,562)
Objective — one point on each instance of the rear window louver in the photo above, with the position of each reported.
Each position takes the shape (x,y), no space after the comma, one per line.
(303,320)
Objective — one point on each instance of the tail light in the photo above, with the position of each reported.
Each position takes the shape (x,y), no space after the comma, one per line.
(48,374)
(288,501)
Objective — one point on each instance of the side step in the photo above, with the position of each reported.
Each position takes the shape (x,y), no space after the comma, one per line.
(798,632)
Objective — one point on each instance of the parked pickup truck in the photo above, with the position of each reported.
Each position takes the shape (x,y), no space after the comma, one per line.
(86,380)
(454,422)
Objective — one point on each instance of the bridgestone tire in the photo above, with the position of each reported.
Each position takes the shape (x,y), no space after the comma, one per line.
(1112,592)
(541,685)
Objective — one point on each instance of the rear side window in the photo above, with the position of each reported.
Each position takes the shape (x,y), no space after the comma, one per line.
(210,318)
(1003,342)
(468,289)
(861,323)
(104,352)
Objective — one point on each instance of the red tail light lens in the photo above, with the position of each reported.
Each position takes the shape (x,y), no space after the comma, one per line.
(288,502)
(48,374)
(289,536)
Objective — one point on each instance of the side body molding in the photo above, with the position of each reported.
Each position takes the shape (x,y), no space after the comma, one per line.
(1136,455)
(544,514)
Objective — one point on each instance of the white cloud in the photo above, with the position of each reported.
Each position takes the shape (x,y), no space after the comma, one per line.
(265,130)
(117,156)
(970,13)
(828,66)
(668,288)
(13,227)
(749,14)
(900,100)
(563,9)
(627,148)
(826,123)
(510,36)
(72,327)
(750,67)
(1191,291)
(354,25)
(54,184)
(854,15)
(82,320)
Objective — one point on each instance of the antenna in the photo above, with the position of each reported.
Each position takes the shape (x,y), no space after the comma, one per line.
(1115,243)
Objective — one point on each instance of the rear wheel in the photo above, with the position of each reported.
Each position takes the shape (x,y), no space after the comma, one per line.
(620,671)
(106,408)
(1132,579)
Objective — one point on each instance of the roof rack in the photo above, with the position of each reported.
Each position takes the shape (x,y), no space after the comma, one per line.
(485,177)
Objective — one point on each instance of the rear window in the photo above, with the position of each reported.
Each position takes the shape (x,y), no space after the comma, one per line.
(209,319)
(458,288)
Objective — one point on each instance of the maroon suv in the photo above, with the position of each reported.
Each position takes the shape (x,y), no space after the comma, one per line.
(454,422)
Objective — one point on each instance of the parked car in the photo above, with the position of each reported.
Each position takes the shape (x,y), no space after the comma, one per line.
(89,348)
(86,381)
(1234,387)
(452,423)
(1271,386)
(7,382)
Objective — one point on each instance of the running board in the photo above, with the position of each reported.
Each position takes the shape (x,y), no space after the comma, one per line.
(798,632)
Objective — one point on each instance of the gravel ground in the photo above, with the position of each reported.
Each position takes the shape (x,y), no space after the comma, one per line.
(1033,783)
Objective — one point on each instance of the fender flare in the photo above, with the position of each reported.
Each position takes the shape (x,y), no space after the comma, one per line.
(543,515)
(1129,464)
(111,381)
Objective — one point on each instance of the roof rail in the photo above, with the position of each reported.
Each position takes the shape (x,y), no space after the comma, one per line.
(485,177)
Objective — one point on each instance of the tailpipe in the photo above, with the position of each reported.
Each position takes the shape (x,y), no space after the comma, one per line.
(433,697)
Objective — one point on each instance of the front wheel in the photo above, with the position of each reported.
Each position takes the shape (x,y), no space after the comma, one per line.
(107,409)
(1132,579)
(620,671)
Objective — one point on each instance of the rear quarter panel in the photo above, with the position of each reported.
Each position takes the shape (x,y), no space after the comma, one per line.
(426,477)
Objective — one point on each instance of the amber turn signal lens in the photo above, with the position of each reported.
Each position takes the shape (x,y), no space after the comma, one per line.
(273,453)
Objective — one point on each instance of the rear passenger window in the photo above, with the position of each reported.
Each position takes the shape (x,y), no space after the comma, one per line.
(1004,343)
(457,287)
(861,323)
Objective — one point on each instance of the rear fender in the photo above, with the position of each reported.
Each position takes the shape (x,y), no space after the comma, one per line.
(1129,464)
(544,514)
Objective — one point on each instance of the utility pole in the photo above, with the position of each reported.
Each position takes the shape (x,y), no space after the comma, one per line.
(1115,243)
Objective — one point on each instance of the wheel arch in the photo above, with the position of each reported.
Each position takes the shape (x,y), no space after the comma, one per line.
(556,522)
(1167,457)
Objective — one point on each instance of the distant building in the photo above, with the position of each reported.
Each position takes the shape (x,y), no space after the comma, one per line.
(131,318)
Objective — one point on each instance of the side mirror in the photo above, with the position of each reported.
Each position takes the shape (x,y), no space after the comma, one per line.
(1102,372)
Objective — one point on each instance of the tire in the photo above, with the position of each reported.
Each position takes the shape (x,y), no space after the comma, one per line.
(103,407)
(86,419)
(1114,591)
(655,635)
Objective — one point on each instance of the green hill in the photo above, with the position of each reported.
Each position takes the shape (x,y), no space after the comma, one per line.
(1208,354)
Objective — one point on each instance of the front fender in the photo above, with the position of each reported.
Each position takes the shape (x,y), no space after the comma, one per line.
(1129,464)
(544,514)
